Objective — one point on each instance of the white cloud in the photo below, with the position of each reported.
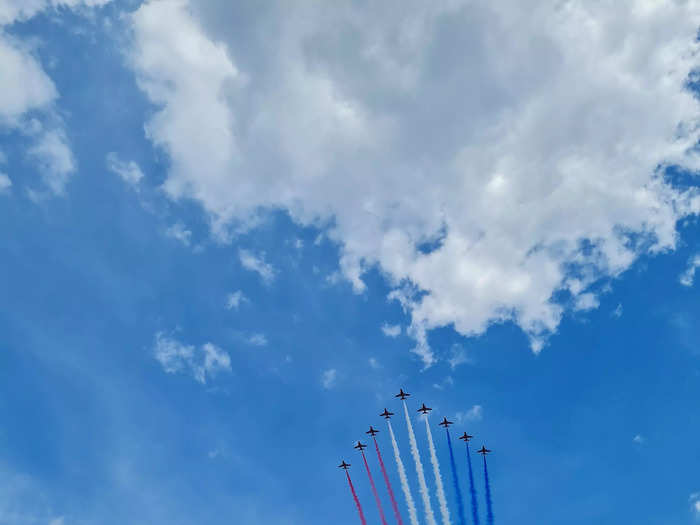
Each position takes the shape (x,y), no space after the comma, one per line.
(201,362)
(31,90)
(128,171)
(328,378)
(373,363)
(617,312)
(5,182)
(475,413)
(179,232)
(57,521)
(235,299)
(695,504)
(258,339)
(639,439)
(12,10)
(459,357)
(257,264)
(489,180)
(688,276)
(586,301)
(54,158)
(391,330)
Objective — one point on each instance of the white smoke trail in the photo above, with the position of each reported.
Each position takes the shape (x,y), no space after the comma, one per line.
(404,480)
(438,478)
(429,516)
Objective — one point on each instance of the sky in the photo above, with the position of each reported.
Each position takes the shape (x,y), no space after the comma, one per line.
(231,231)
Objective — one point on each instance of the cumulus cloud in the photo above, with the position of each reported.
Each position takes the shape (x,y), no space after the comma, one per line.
(687,278)
(128,171)
(177,357)
(235,299)
(328,378)
(486,183)
(257,264)
(391,330)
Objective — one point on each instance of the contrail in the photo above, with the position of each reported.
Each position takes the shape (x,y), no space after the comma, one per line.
(388,484)
(429,516)
(374,489)
(412,515)
(455,480)
(472,490)
(444,511)
(357,500)
(489,508)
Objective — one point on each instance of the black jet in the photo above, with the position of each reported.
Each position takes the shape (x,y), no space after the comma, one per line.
(424,409)
(371,431)
(483,451)
(360,446)
(344,465)
(446,423)
(466,437)
(403,395)
(386,414)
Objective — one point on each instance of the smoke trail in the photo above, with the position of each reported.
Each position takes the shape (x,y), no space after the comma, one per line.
(388,484)
(489,508)
(429,516)
(444,511)
(455,480)
(472,489)
(374,489)
(412,515)
(357,500)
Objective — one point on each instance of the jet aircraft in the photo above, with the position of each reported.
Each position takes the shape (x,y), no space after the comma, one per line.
(483,451)
(424,409)
(446,423)
(344,465)
(372,431)
(403,395)
(386,414)
(360,446)
(466,437)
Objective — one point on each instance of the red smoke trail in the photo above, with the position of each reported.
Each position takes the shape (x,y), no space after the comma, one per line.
(394,505)
(374,489)
(357,500)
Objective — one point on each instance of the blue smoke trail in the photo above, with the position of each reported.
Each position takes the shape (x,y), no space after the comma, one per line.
(489,509)
(472,489)
(455,480)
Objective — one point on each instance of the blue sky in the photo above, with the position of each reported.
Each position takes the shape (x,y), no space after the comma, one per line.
(230,234)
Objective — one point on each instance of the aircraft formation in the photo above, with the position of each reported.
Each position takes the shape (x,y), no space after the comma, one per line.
(425,495)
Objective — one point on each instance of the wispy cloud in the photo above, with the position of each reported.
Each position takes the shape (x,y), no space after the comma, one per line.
(328,378)
(5,182)
(617,312)
(258,340)
(475,413)
(257,264)
(235,299)
(458,357)
(175,357)
(586,301)
(695,504)
(391,330)
(688,276)
(179,232)
(128,171)
(639,439)
(374,363)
